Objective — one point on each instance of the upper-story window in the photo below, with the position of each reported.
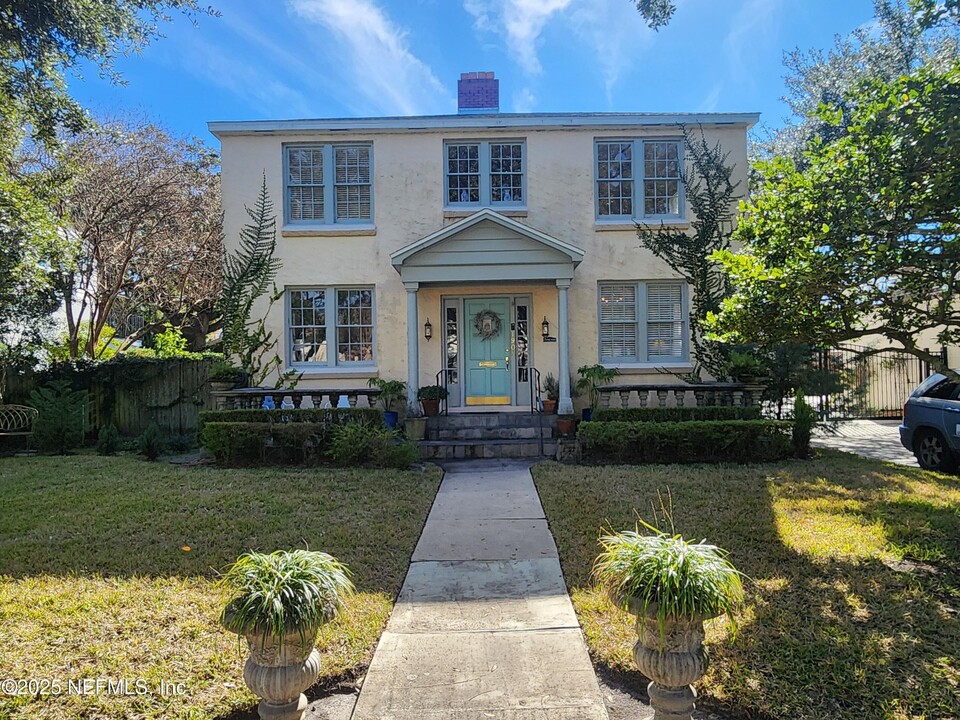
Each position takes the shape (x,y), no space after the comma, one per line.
(485,174)
(327,184)
(639,179)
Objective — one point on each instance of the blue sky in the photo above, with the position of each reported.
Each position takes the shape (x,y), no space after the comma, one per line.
(284,59)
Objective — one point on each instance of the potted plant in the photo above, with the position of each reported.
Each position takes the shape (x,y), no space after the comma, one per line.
(591,378)
(671,585)
(278,603)
(223,376)
(415,425)
(746,367)
(551,389)
(430,397)
(391,391)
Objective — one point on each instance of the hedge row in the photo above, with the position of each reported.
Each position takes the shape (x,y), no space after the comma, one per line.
(713,441)
(676,414)
(328,417)
(310,443)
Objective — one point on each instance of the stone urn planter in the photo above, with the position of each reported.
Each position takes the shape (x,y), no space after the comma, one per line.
(673,661)
(672,586)
(275,607)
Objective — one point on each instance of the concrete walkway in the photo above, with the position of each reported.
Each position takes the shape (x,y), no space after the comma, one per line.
(483,627)
(877,439)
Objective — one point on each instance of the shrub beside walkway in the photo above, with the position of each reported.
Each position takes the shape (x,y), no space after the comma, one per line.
(483,626)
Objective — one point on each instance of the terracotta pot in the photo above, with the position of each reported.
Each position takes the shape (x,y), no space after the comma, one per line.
(549,406)
(566,426)
(431,408)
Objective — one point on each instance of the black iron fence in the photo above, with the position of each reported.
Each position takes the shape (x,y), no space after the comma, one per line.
(875,383)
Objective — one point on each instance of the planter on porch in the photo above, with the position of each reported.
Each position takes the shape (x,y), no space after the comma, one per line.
(415,428)
(566,427)
(430,397)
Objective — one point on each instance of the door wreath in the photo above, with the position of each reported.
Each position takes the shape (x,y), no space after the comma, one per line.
(487,324)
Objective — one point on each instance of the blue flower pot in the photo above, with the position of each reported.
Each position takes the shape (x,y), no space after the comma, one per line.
(586,414)
(390,418)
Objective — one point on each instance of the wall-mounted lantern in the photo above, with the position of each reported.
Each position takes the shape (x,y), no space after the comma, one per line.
(427,329)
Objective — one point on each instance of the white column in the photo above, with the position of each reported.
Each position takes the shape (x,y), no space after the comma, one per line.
(565,405)
(413,344)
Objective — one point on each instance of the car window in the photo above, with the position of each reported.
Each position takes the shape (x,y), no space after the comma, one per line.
(942,391)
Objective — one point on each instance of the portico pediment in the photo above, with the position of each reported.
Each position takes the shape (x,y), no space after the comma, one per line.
(483,247)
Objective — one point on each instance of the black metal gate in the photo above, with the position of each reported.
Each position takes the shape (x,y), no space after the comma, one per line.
(875,384)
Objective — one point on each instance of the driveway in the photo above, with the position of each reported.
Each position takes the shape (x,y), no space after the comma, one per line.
(877,439)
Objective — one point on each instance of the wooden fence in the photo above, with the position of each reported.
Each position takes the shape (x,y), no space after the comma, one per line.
(133,394)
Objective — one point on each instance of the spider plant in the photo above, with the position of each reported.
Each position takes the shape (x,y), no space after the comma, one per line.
(667,575)
(277,593)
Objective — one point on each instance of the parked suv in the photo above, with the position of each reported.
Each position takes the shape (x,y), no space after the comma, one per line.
(931,423)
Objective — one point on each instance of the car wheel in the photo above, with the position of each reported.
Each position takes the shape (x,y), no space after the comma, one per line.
(932,452)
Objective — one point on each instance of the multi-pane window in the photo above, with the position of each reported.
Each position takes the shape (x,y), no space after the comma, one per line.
(328,184)
(651,187)
(484,173)
(643,321)
(331,326)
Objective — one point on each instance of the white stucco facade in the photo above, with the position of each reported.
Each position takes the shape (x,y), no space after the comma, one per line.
(407,170)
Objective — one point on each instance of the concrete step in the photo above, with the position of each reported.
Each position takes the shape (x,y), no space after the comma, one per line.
(490,433)
(478,448)
(490,420)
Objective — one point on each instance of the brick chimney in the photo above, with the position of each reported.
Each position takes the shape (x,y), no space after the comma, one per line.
(478,93)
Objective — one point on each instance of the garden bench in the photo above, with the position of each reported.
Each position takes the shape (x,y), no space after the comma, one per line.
(17,420)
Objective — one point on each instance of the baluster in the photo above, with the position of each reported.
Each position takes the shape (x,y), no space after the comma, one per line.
(644,397)
(699,395)
(624,398)
(679,396)
(352,399)
(661,397)
(605,398)
(737,398)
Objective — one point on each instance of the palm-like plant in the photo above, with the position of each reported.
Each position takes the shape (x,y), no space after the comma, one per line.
(282,592)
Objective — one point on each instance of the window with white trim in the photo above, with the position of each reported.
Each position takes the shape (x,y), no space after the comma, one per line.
(327,184)
(484,174)
(330,327)
(643,322)
(648,188)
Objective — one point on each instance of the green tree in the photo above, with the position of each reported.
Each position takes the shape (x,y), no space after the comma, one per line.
(28,234)
(657,13)
(902,38)
(712,197)
(861,242)
(41,41)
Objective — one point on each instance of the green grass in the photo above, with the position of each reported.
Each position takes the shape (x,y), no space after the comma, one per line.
(108,569)
(853,598)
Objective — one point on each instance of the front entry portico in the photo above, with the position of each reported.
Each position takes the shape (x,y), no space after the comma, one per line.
(485,251)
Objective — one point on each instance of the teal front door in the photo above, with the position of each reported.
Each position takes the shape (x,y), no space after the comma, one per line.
(487,357)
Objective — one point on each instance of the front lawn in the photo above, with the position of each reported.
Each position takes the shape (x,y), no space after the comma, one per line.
(854,591)
(108,570)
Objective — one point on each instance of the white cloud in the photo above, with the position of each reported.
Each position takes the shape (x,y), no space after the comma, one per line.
(374,57)
(245,80)
(521,20)
(750,29)
(710,102)
(524,101)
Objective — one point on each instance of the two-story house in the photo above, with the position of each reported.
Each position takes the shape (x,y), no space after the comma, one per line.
(480,245)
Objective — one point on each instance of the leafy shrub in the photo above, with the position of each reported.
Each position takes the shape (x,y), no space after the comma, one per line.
(108,440)
(804,421)
(738,441)
(401,455)
(58,428)
(328,417)
(150,443)
(249,443)
(676,414)
(355,444)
